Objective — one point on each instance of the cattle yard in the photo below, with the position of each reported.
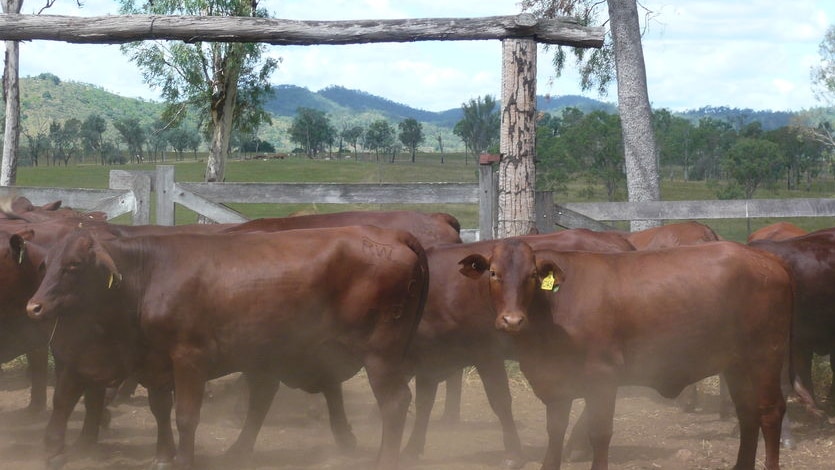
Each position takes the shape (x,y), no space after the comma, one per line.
(650,432)
(146,302)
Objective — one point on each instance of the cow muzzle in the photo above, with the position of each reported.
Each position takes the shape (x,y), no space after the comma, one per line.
(511,322)
(35,310)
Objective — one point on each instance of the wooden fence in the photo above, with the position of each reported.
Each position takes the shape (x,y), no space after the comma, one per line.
(131,192)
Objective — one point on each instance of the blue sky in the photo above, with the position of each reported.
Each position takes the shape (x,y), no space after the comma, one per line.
(749,54)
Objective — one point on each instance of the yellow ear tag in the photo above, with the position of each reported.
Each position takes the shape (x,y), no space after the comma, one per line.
(22,254)
(114,279)
(548,282)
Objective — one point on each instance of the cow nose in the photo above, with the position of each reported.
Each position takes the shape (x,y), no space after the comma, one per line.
(34,310)
(511,322)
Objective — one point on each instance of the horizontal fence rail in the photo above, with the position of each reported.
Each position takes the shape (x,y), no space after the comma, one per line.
(130,192)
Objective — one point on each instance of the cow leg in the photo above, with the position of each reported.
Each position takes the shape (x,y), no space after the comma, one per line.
(426,390)
(452,398)
(189,385)
(830,397)
(578,447)
(600,406)
(262,390)
(38,361)
(160,401)
(759,405)
(340,428)
(725,402)
(787,440)
(689,398)
(93,412)
(556,419)
(803,366)
(494,377)
(389,382)
(68,390)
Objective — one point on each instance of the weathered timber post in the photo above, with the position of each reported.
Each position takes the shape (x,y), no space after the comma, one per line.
(164,185)
(486,202)
(516,214)
(11,96)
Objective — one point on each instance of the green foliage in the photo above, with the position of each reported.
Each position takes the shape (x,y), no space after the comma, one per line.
(225,82)
(581,145)
(312,130)
(751,162)
(479,128)
(379,137)
(411,135)
(133,135)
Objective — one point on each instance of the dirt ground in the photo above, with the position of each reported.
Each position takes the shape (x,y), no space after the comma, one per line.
(650,433)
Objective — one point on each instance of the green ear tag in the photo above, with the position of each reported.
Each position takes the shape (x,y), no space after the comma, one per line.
(548,282)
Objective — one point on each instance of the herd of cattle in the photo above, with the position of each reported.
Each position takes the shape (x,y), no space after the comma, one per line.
(308,301)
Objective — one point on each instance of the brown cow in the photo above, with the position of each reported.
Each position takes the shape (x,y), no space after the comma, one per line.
(428,228)
(670,235)
(454,332)
(811,259)
(585,323)
(180,309)
(19,261)
(777,231)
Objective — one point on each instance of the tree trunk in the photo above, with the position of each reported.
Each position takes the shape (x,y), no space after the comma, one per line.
(224,97)
(516,214)
(639,143)
(11,94)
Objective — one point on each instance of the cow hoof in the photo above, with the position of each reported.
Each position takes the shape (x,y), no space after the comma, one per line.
(513,463)
(106,417)
(347,442)
(577,455)
(157,465)
(57,462)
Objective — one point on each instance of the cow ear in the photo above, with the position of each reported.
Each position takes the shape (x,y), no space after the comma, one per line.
(474,266)
(17,243)
(104,259)
(549,273)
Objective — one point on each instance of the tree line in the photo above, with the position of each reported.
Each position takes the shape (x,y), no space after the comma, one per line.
(74,140)
(738,159)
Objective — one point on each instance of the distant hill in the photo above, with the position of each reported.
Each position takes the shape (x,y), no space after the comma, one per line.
(47,97)
(337,100)
(740,118)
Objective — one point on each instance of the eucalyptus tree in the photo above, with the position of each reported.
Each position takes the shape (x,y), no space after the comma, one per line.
(92,135)
(134,136)
(411,135)
(379,137)
(225,82)
(480,126)
(750,162)
(312,131)
(352,136)
(621,57)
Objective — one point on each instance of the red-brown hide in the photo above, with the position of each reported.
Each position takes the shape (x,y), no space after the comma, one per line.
(297,306)
(660,318)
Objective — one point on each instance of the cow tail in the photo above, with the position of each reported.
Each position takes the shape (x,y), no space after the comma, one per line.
(803,393)
(423,273)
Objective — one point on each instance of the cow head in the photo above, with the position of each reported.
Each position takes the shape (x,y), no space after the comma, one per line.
(515,278)
(75,269)
(19,278)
